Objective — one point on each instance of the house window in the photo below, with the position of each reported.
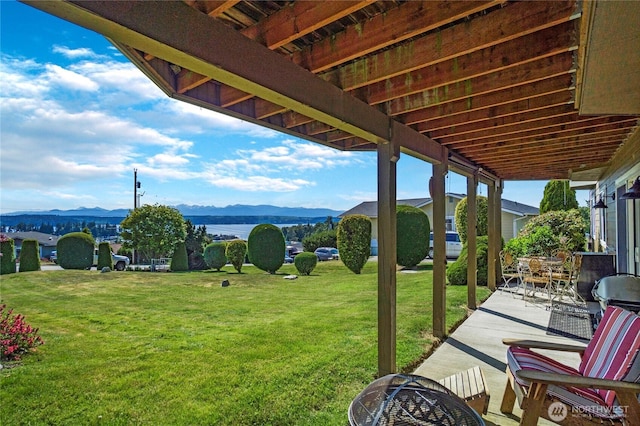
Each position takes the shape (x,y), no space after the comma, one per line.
(450,223)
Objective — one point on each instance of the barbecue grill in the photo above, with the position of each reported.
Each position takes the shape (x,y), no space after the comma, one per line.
(621,290)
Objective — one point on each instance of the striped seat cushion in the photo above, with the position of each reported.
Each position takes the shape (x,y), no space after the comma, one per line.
(613,351)
(522,358)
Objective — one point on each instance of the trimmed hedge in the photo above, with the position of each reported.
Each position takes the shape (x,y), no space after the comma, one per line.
(412,231)
(105,260)
(305,262)
(236,252)
(457,271)
(266,247)
(482,221)
(30,256)
(320,239)
(354,241)
(179,260)
(7,260)
(75,251)
(214,255)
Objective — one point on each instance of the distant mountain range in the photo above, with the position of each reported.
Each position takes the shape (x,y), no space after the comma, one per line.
(187,210)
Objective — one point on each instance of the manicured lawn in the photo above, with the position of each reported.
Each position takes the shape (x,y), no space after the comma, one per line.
(178,349)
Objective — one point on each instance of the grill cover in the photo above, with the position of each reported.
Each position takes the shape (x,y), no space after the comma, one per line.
(618,290)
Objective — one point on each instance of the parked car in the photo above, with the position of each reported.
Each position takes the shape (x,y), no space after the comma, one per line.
(120,263)
(54,256)
(326,253)
(453,244)
(288,259)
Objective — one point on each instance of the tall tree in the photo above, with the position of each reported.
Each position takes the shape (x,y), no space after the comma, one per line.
(558,196)
(154,230)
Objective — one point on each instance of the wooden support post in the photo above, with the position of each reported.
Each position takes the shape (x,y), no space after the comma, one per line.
(388,155)
(498,235)
(472,261)
(439,250)
(492,252)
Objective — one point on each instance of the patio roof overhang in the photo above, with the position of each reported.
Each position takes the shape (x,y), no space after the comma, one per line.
(500,84)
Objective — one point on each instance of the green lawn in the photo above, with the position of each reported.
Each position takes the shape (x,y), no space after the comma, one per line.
(178,349)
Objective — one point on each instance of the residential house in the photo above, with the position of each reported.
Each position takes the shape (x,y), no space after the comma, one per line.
(514,215)
(46,242)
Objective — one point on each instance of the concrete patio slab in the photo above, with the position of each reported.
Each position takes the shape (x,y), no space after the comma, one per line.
(478,341)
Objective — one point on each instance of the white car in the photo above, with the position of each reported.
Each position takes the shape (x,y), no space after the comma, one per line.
(119,262)
(453,244)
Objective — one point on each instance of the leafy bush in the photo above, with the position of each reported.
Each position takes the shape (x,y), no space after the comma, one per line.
(558,195)
(179,260)
(554,230)
(320,239)
(354,241)
(197,262)
(482,224)
(266,247)
(214,255)
(16,336)
(412,230)
(75,251)
(457,271)
(236,252)
(305,262)
(7,260)
(30,256)
(104,256)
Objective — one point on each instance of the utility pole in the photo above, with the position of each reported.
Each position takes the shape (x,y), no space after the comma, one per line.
(135,188)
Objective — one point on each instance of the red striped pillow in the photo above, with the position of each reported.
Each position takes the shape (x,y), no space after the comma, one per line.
(613,349)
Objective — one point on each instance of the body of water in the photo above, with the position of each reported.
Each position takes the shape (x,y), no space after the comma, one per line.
(241,230)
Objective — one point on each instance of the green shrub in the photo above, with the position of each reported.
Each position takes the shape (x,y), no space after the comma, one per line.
(7,260)
(320,239)
(30,256)
(482,221)
(104,256)
(179,260)
(354,241)
(305,262)
(457,271)
(75,251)
(266,247)
(412,233)
(214,255)
(236,252)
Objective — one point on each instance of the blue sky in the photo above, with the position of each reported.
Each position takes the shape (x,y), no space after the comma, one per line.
(77,118)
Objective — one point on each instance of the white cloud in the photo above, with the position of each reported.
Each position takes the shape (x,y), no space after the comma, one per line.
(82,52)
(69,79)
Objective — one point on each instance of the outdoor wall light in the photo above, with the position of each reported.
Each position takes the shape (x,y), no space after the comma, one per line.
(634,192)
(601,204)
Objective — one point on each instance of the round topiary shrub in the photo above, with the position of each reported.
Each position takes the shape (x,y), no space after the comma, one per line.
(214,255)
(29,256)
(354,241)
(7,260)
(105,260)
(266,247)
(305,262)
(412,231)
(457,271)
(179,260)
(75,251)
(236,252)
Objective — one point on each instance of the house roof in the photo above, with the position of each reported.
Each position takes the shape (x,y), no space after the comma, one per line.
(370,208)
(43,239)
(510,89)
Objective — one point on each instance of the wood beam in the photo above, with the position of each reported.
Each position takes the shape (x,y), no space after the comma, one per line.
(497,111)
(549,53)
(408,20)
(212,8)
(493,201)
(298,19)
(437,190)
(472,225)
(388,155)
(510,22)
(562,83)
